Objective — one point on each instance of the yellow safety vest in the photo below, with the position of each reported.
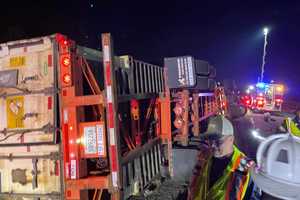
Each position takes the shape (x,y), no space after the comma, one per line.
(293,127)
(221,188)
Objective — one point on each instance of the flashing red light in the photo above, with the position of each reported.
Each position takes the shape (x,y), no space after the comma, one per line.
(62,40)
(248,102)
(278,100)
(66,61)
(65,42)
(67,78)
(260,102)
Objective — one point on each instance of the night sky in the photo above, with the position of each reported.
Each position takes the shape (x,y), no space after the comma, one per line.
(226,33)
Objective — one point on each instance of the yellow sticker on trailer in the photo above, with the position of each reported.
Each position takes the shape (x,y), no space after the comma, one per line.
(15,112)
(17,61)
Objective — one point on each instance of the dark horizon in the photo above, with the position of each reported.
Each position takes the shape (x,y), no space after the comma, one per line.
(227,34)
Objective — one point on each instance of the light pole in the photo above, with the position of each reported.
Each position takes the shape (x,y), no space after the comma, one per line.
(265,31)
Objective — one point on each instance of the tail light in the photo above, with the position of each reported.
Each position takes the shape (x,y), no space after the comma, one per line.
(67,78)
(248,102)
(278,102)
(66,61)
(260,102)
(65,42)
(66,64)
(62,40)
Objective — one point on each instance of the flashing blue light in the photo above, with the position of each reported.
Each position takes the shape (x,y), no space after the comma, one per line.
(261,85)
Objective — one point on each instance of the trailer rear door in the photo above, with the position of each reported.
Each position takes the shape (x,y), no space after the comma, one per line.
(29,153)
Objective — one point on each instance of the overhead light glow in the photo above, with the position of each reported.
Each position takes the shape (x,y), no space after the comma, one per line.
(251,87)
(266,31)
(279,88)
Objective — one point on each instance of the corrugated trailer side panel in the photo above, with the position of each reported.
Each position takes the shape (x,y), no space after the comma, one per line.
(29,155)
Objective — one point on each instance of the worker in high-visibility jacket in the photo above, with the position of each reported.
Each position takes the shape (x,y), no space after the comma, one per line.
(292,125)
(222,171)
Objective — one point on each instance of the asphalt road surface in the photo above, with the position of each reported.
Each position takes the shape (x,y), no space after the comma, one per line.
(251,129)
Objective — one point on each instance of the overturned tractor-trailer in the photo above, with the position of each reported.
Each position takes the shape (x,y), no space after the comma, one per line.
(78,123)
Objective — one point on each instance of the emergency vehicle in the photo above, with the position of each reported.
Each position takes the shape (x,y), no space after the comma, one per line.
(264,96)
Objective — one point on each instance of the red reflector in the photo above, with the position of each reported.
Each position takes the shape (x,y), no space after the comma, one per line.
(67,78)
(49,103)
(49,60)
(66,138)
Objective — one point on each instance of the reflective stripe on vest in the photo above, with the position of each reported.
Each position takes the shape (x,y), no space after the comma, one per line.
(221,190)
(293,127)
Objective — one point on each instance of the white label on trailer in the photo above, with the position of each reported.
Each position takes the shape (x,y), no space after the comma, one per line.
(181,72)
(100,140)
(73,169)
(106,53)
(115,179)
(90,140)
(109,94)
(190,69)
(179,69)
(112,136)
(186,71)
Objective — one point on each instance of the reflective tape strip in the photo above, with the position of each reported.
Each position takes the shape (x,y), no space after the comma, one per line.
(106,53)
(111,115)
(108,77)
(112,140)
(109,94)
(114,179)
(205,94)
(65,116)
(113,153)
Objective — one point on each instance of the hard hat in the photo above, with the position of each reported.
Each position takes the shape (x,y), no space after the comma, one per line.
(218,126)
(278,161)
